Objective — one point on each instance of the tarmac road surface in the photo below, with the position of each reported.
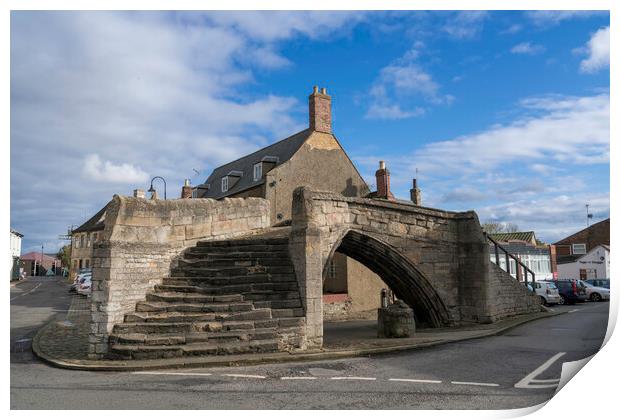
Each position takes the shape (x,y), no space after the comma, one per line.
(519,368)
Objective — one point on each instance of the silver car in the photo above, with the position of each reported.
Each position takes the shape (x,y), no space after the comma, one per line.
(547,292)
(593,293)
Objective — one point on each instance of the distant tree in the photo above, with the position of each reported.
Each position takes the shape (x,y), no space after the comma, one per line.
(499,227)
(64,255)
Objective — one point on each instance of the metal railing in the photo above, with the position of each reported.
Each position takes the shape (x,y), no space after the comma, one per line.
(518,264)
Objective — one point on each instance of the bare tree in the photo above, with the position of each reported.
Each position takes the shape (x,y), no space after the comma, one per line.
(499,227)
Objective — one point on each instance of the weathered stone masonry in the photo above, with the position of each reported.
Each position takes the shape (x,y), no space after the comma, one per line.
(142,238)
(437,261)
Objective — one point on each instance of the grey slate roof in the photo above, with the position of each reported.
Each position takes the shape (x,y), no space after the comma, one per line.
(514,236)
(94,223)
(283,150)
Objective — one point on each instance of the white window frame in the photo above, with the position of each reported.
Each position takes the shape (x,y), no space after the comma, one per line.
(224,183)
(573,249)
(258,171)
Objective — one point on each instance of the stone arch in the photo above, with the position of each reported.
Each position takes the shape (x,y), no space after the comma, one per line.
(397,272)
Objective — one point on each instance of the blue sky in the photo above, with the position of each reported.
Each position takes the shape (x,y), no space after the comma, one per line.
(506,113)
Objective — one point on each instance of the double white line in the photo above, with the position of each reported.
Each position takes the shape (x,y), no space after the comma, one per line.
(530,380)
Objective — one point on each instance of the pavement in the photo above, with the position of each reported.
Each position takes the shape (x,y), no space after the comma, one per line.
(63,342)
(517,368)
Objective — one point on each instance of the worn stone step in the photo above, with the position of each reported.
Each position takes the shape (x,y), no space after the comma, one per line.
(170,317)
(223,263)
(227,243)
(278,304)
(152,327)
(191,297)
(287,313)
(150,339)
(131,351)
(209,249)
(235,335)
(238,255)
(160,306)
(271,295)
(219,272)
(268,288)
(214,282)
(291,322)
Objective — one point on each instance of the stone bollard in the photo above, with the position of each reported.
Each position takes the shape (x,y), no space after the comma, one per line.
(396,321)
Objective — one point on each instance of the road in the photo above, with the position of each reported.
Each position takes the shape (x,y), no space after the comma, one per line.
(474,374)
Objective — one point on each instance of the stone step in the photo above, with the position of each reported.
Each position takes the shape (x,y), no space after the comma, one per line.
(185,287)
(160,306)
(191,297)
(194,337)
(133,351)
(278,304)
(223,263)
(214,282)
(219,272)
(178,328)
(227,243)
(239,255)
(287,313)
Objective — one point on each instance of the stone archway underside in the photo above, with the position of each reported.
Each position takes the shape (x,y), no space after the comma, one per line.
(399,274)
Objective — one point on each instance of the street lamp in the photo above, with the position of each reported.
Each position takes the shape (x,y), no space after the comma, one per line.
(152,190)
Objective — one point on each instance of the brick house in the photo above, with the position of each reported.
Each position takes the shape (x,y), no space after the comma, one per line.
(576,246)
(315,158)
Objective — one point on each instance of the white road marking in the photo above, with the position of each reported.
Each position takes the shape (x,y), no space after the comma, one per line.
(24,340)
(426,381)
(240,375)
(353,378)
(529,381)
(29,291)
(573,310)
(544,381)
(294,378)
(173,373)
(474,383)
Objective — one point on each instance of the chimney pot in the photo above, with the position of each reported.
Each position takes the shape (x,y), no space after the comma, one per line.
(186,190)
(381,164)
(138,193)
(383,182)
(324,91)
(315,89)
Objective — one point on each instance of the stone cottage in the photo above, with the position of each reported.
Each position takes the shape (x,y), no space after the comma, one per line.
(314,158)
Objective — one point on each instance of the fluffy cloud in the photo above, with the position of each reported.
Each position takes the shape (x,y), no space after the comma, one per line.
(547,18)
(404,81)
(102,101)
(97,170)
(465,24)
(597,49)
(527,48)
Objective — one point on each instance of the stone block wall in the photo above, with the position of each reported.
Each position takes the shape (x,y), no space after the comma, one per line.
(507,296)
(142,240)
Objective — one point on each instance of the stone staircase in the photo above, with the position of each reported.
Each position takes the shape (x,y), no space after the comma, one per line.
(224,297)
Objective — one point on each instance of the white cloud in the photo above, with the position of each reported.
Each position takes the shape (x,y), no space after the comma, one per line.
(565,129)
(138,93)
(107,171)
(392,112)
(527,48)
(598,52)
(465,24)
(548,18)
(512,29)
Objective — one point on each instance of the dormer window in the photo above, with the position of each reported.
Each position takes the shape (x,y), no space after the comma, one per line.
(224,184)
(258,171)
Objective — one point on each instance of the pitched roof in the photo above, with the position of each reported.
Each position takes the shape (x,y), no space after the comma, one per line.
(595,226)
(14,232)
(514,236)
(94,223)
(282,150)
(34,255)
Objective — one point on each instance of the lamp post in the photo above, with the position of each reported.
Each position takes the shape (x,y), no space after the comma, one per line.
(152,190)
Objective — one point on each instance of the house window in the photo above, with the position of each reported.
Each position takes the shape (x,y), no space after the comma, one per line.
(225,184)
(88,239)
(579,249)
(258,171)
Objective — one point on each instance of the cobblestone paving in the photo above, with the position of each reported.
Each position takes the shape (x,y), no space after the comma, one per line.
(68,338)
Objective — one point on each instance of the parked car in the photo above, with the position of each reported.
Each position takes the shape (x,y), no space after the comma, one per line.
(570,291)
(593,293)
(599,283)
(78,279)
(85,285)
(547,292)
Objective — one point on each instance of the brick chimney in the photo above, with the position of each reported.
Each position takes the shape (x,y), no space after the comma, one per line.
(138,193)
(416,194)
(186,190)
(320,111)
(383,182)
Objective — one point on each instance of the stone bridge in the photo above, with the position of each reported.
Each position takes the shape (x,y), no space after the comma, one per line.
(200,276)
(436,261)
